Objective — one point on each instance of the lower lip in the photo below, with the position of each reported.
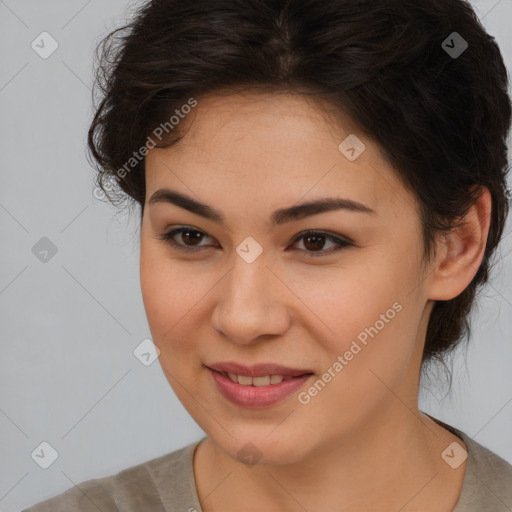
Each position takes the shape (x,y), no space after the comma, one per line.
(256,396)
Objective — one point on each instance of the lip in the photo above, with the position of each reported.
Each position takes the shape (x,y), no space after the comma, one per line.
(257,370)
(257,397)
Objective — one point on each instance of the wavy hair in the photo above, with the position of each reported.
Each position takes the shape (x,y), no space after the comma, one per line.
(441,119)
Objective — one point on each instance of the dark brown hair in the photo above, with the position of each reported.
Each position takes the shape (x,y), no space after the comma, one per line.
(441,118)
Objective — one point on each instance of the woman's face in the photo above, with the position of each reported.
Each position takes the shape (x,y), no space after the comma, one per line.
(248,285)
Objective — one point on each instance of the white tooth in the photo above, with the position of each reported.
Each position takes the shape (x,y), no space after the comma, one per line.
(244,380)
(276,379)
(261,381)
(233,377)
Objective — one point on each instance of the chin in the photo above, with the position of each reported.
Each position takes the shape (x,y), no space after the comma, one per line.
(260,449)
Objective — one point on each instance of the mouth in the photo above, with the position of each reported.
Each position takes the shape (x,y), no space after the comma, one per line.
(257,386)
(259,381)
(257,370)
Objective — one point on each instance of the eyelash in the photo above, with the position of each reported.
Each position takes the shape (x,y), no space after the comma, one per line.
(168,238)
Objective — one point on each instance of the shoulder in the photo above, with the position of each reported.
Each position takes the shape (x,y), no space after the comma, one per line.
(488,480)
(134,489)
(87,496)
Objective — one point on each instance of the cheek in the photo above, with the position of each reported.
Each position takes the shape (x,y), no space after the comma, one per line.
(346,301)
(169,292)
(366,313)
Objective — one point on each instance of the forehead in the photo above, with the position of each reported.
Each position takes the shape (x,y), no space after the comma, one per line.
(306,115)
(262,145)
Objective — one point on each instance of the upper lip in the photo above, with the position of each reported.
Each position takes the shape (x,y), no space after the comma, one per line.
(256,370)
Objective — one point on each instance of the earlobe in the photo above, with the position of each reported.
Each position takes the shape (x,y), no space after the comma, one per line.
(460,252)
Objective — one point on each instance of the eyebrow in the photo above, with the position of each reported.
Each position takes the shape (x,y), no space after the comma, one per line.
(280,216)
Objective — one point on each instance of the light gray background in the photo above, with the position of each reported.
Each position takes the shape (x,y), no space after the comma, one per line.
(69,326)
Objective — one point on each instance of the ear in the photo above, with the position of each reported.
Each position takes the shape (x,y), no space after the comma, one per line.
(460,252)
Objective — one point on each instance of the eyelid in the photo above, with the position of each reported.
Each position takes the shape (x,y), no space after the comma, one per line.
(341,241)
(168,235)
(328,234)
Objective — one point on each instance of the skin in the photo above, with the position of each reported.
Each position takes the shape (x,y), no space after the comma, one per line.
(360,444)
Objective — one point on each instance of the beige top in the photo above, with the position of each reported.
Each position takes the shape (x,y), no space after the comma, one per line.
(166,484)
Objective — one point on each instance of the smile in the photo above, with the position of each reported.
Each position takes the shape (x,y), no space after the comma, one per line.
(265,380)
(257,391)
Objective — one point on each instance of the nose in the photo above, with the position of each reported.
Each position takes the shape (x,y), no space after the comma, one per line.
(251,303)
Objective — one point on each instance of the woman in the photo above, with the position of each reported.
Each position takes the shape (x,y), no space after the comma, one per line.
(322,186)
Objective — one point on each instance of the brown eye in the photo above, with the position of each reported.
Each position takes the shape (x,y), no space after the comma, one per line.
(189,239)
(191,236)
(314,243)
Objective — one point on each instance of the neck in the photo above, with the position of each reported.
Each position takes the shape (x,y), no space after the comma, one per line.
(392,463)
